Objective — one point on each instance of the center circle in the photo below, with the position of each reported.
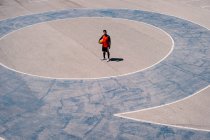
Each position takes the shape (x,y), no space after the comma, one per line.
(69,48)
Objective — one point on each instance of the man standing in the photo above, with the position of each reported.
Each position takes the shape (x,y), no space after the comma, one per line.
(105,40)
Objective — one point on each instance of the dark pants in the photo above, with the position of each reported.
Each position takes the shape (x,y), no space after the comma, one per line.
(104,50)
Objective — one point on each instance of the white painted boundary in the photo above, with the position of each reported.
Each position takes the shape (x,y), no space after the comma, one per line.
(152,11)
(105,8)
(119,114)
(163,124)
(2,138)
(151,108)
(176,126)
(171,50)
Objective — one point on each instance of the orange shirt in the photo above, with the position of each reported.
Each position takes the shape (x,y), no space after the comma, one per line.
(105,42)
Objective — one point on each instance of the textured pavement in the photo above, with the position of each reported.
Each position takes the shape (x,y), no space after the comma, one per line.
(36,108)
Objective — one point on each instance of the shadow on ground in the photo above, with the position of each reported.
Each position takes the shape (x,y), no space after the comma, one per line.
(116,59)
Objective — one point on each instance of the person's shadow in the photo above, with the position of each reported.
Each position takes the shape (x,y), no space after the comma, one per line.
(116,59)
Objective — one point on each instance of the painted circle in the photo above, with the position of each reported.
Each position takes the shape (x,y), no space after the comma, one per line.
(69,48)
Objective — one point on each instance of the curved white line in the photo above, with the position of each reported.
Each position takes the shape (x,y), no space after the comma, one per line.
(155,107)
(164,124)
(107,8)
(2,138)
(171,50)
(118,115)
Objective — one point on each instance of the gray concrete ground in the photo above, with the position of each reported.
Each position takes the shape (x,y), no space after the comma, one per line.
(70,48)
(193,112)
(197,11)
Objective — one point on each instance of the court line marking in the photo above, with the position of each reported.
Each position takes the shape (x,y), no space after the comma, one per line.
(160,106)
(176,126)
(131,9)
(112,76)
(105,8)
(117,115)
(163,124)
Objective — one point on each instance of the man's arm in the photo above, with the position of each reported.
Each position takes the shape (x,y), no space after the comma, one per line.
(100,38)
(109,42)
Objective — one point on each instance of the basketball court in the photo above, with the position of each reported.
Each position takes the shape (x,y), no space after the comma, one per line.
(55,85)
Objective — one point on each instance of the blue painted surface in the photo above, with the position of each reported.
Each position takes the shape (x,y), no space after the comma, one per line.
(35,108)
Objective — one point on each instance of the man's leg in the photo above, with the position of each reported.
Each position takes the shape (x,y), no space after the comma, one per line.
(104,54)
(108,53)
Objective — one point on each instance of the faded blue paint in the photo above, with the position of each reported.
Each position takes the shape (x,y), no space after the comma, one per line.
(35,108)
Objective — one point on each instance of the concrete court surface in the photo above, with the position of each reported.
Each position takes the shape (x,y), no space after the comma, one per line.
(78,55)
(176,114)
